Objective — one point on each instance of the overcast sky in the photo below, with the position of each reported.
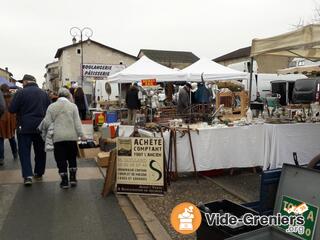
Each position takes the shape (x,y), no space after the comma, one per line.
(31,31)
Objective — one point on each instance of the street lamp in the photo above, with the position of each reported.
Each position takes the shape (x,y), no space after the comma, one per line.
(75,31)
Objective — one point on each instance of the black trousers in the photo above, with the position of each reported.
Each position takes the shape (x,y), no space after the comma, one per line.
(83,114)
(65,154)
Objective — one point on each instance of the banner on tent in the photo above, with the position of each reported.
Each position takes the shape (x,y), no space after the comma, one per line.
(101,70)
(148,82)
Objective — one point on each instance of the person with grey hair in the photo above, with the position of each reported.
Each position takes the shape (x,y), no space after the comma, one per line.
(64,116)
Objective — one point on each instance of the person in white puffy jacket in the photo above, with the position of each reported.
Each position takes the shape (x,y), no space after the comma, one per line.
(67,129)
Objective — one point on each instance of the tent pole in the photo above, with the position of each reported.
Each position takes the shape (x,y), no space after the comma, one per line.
(250,85)
(120,99)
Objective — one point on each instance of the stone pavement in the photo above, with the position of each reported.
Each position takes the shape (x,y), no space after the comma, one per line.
(44,211)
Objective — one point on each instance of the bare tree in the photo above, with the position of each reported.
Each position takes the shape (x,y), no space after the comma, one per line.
(313,20)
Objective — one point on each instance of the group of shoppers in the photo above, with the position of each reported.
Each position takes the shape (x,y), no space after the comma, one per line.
(37,121)
(196,93)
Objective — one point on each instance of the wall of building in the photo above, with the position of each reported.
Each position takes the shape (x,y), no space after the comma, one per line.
(52,77)
(233,61)
(70,60)
(263,64)
(5,74)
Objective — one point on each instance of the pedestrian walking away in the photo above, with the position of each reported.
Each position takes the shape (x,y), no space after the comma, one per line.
(67,129)
(2,104)
(133,103)
(30,105)
(7,126)
(80,101)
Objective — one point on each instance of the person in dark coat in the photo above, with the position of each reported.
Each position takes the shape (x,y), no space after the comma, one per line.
(30,104)
(80,101)
(133,104)
(2,104)
(202,95)
(184,98)
(7,126)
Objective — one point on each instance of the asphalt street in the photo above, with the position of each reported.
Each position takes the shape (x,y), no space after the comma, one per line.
(44,211)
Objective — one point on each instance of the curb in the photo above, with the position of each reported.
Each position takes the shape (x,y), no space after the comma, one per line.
(153,224)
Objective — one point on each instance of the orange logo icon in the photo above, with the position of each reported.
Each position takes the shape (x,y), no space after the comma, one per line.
(185,218)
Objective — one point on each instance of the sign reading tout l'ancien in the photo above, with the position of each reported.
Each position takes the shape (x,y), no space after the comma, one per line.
(140,166)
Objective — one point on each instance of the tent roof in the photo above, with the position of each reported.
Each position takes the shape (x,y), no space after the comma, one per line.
(145,68)
(211,71)
(303,42)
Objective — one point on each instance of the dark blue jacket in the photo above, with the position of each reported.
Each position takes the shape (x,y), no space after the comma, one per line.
(202,95)
(30,104)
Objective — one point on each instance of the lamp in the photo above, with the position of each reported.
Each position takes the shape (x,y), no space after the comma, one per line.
(75,31)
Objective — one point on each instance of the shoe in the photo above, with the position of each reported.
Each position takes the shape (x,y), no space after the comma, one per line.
(64,180)
(1,161)
(37,177)
(28,181)
(73,177)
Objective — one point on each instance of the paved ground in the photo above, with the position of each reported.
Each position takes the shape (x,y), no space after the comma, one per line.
(44,211)
(244,184)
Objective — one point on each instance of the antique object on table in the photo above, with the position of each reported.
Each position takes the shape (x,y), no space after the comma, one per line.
(230,99)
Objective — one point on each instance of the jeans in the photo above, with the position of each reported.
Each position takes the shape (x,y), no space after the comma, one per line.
(65,154)
(13,146)
(24,142)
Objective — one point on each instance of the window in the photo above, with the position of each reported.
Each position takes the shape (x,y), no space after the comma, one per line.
(301,63)
(78,51)
(293,64)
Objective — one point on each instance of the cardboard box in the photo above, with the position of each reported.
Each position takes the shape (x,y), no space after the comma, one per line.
(103,159)
(89,152)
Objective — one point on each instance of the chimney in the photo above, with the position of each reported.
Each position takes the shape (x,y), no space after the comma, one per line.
(6,69)
(74,40)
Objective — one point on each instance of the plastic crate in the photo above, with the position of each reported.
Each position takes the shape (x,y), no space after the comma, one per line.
(206,232)
(268,191)
(111,117)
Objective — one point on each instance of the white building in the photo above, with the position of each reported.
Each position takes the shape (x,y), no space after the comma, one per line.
(52,77)
(99,59)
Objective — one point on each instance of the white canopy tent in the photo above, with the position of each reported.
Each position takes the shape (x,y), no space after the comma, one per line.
(303,42)
(211,71)
(145,68)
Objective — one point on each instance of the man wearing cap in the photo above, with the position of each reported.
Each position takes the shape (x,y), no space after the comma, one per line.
(184,98)
(30,104)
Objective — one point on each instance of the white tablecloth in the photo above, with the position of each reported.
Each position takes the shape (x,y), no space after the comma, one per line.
(267,145)
(281,140)
(220,148)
